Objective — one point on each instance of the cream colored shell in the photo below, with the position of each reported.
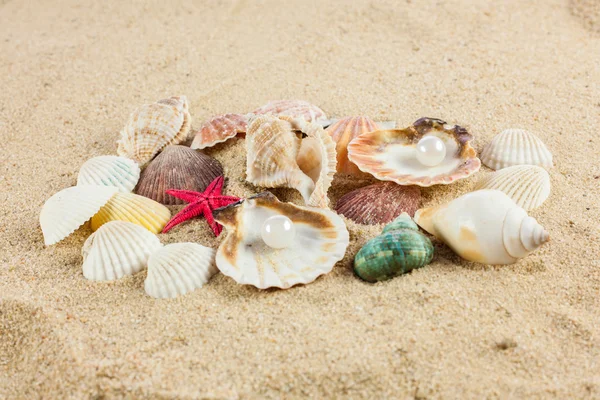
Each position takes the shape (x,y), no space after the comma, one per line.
(526,185)
(121,172)
(179,268)
(321,241)
(117,249)
(296,109)
(516,147)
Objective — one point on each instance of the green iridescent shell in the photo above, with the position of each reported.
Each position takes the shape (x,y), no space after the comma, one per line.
(398,250)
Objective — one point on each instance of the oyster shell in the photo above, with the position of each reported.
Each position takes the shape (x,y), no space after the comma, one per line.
(152,127)
(343,132)
(179,268)
(219,129)
(516,147)
(526,185)
(132,208)
(379,203)
(120,172)
(294,109)
(117,249)
(321,240)
(70,208)
(177,167)
(390,155)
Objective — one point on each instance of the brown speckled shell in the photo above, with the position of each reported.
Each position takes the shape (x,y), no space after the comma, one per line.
(177,167)
(343,132)
(379,203)
(293,108)
(219,129)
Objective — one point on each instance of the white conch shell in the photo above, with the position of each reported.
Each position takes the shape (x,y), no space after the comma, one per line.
(152,127)
(527,185)
(179,268)
(516,147)
(121,172)
(321,240)
(485,226)
(117,249)
(70,208)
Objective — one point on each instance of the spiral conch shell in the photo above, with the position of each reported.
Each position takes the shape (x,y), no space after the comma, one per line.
(152,127)
(321,240)
(484,226)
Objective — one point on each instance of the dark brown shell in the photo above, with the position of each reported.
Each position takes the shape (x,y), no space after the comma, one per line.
(177,167)
(379,203)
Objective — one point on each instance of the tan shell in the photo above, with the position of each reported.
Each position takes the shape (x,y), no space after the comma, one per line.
(516,147)
(132,208)
(389,155)
(379,203)
(152,127)
(177,167)
(321,241)
(219,129)
(294,109)
(343,132)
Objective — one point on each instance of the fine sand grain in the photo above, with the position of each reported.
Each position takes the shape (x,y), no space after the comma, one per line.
(72,72)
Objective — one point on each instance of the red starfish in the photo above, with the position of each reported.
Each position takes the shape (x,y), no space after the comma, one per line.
(201,203)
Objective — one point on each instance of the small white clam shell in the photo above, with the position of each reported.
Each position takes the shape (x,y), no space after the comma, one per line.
(179,268)
(70,208)
(526,185)
(120,172)
(117,249)
(516,147)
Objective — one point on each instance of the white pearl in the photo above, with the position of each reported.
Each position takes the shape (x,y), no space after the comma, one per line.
(431,151)
(278,232)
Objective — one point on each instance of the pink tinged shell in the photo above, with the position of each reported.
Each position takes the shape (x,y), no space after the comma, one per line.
(293,108)
(342,133)
(219,129)
(379,203)
(177,167)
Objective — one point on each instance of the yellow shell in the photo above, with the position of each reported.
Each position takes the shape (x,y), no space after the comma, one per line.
(133,208)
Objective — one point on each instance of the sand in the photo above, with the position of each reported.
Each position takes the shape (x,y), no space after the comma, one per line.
(71,74)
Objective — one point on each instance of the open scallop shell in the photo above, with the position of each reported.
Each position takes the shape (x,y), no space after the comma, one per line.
(516,147)
(342,133)
(321,241)
(177,167)
(179,268)
(120,172)
(70,208)
(294,109)
(389,155)
(526,185)
(379,203)
(152,127)
(117,249)
(219,129)
(133,208)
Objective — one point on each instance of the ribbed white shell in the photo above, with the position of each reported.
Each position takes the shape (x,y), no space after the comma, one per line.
(527,185)
(70,208)
(179,268)
(516,147)
(120,172)
(117,249)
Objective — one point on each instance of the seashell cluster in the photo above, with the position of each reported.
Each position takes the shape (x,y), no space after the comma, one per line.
(154,126)
(320,241)
(177,167)
(484,226)
(120,172)
(398,250)
(343,132)
(219,129)
(132,208)
(516,147)
(296,109)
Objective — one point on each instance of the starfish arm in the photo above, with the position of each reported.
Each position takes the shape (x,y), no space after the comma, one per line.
(188,212)
(221,201)
(215,226)
(186,195)
(215,186)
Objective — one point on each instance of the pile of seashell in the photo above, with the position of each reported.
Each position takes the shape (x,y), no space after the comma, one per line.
(292,144)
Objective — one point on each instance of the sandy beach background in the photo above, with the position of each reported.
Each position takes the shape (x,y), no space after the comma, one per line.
(72,72)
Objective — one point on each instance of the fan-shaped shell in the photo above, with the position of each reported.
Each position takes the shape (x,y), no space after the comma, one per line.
(516,147)
(133,208)
(321,240)
(152,127)
(219,129)
(179,268)
(379,203)
(293,108)
(343,132)
(120,172)
(70,208)
(117,249)
(390,155)
(526,185)
(177,167)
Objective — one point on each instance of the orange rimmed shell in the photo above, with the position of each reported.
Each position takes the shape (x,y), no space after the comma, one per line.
(294,109)
(219,129)
(343,132)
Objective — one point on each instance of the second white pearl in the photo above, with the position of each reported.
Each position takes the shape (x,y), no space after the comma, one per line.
(278,232)
(431,151)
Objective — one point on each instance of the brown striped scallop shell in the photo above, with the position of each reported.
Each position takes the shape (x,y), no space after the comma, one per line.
(219,129)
